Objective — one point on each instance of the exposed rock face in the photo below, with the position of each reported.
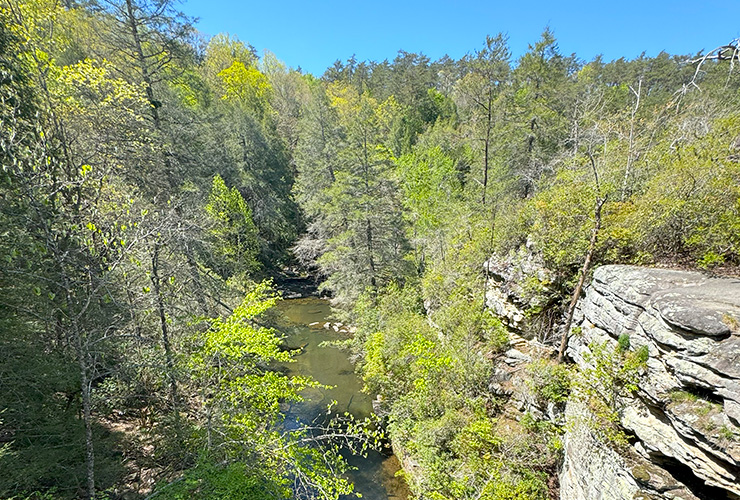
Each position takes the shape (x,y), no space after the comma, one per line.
(519,282)
(685,417)
(594,471)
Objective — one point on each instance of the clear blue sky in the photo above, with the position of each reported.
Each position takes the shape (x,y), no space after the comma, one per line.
(313,34)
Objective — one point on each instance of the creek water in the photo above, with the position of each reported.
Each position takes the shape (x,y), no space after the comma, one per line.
(374,476)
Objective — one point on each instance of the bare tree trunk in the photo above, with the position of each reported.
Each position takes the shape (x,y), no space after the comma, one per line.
(368,223)
(86,414)
(584,272)
(169,360)
(200,293)
(489,119)
(145,75)
(576,130)
(84,364)
(630,146)
(324,142)
(369,237)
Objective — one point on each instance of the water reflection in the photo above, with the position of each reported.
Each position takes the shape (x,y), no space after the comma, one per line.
(375,475)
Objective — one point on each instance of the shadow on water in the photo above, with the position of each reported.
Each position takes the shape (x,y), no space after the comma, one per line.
(374,476)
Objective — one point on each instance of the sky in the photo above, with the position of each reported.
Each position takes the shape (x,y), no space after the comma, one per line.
(313,34)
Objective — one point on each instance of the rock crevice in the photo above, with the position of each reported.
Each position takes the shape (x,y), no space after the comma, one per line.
(686,411)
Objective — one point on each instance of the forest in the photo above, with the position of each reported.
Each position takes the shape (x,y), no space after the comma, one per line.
(156,183)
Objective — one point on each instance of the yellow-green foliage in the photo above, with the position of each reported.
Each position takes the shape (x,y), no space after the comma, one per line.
(402,353)
(209,481)
(34,24)
(232,232)
(561,218)
(410,175)
(247,86)
(89,86)
(229,366)
(549,381)
(430,186)
(102,110)
(222,51)
(432,371)
(675,200)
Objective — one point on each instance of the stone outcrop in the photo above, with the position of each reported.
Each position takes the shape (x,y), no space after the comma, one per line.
(684,420)
(519,284)
(593,470)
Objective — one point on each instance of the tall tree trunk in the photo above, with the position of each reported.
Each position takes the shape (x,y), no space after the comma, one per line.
(169,359)
(145,74)
(371,258)
(368,224)
(83,360)
(581,280)
(486,146)
(324,143)
(628,168)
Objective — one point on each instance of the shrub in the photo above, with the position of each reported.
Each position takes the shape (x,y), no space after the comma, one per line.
(612,374)
(549,381)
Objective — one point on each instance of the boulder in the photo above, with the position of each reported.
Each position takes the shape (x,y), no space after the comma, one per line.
(593,470)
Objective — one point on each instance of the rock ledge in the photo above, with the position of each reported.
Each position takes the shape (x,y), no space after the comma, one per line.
(685,418)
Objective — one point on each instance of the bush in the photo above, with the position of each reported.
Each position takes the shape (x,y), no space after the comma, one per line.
(549,381)
(611,375)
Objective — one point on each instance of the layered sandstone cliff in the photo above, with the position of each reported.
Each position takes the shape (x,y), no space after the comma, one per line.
(684,420)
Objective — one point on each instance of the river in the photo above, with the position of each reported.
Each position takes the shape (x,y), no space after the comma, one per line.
(375,475)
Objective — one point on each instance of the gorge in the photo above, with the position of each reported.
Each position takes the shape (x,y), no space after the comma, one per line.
(159,188)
